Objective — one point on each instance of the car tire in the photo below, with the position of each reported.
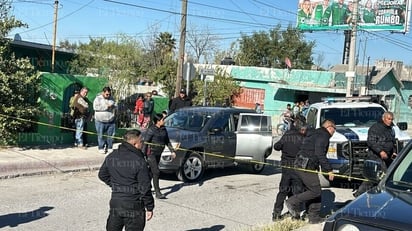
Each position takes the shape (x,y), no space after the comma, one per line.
(257,167)
(192,168)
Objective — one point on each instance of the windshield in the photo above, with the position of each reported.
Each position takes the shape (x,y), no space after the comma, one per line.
(401,177)
(351,117)
(187,120)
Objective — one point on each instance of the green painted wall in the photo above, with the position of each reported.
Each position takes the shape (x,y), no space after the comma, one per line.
(56,90)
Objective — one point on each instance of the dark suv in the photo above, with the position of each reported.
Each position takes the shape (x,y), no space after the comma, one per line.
(213,137)
(385,207)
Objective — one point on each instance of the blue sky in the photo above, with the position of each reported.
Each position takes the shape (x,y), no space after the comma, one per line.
(77,20)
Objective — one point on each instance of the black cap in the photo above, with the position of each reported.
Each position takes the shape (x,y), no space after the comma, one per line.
(183,91)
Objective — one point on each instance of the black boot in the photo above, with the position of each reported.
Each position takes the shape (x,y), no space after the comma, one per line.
(159,195)
(276,217)
(156,186)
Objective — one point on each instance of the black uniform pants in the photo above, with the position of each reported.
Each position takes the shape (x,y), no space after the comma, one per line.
(311,197)
(289,185)
(153,160)
(127,214)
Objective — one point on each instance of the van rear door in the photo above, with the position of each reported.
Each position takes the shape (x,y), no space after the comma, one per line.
(254,136)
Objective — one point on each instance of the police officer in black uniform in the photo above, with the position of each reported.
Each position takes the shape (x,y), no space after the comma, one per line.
(290,183)
(156,138)
(312,155)
(180,102)
(125,170)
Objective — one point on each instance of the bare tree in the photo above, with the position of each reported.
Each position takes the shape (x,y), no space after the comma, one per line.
(319,60)
(201,42)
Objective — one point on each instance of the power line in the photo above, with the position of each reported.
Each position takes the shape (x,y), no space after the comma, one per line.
(277,8)
(59,19)
(404,45)
(231,10)
(192,15)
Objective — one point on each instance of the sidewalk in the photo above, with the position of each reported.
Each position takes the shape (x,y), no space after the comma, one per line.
(15,162)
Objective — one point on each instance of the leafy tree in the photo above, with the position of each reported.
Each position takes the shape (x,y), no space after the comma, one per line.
(68,45)
(120,61)
(161,67)
(19,84)
(165,44)
(218,92)
(232,52)
(269,49)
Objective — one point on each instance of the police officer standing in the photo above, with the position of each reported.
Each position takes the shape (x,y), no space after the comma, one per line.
(310,156)
(180,102)
(290,183)
(382,147)
(126,172)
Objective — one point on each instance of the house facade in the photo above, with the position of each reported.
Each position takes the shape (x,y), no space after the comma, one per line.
(275,88)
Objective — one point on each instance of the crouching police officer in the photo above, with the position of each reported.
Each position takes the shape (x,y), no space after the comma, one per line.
(290,183)
(312,154)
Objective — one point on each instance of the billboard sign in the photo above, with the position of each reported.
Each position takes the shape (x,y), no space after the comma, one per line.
(376,15)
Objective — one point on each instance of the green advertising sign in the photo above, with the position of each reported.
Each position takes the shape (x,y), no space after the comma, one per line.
(388,15)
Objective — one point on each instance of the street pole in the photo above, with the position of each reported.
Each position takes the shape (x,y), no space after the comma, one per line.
(204,90)
(179,74)
(56,6)
(350,74)
(188,64)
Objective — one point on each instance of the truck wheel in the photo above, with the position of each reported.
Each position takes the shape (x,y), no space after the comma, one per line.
(192,169)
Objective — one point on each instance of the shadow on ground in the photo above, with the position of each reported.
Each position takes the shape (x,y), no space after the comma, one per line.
(16,219)
(213,228)
(329,205)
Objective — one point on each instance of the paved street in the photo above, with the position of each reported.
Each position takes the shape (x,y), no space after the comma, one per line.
(230,199)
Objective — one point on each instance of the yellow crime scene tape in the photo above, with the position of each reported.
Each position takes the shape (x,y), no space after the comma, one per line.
(205,153)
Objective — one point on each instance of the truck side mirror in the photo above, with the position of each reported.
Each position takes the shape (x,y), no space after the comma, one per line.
(372,170)
(403,126)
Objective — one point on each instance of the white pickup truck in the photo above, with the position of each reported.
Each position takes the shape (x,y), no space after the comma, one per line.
(353,117)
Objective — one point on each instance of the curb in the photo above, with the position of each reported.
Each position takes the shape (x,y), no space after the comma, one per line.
(47,172)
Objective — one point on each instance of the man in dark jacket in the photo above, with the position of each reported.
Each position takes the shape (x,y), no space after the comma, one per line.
(126,172)
(81,116)
(382,146)
(290,183)
(311,155)
(156,138)
(180,102)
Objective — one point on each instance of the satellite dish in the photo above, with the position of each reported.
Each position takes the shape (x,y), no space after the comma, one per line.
(17,37)
(288,63)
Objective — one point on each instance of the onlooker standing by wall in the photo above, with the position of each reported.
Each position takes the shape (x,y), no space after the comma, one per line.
(80,115)
(131,203)
(180,102)
(148,107)
(138,110)
(104,114)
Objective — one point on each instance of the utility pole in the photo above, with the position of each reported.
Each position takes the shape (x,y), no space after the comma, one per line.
(350,74)
(179,74)
(56,6)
